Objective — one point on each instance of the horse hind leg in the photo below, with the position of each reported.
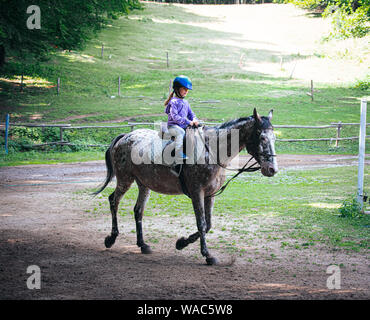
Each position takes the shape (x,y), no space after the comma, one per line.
(114,200)
(142,199)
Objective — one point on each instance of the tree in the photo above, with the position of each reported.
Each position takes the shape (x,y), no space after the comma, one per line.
(65,24)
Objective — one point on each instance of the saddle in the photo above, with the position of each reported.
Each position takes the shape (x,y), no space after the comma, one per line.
(168,141)
(196,146)
(163,129)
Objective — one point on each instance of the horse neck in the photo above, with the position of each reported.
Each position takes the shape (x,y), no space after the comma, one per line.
(246,128)
(243,129)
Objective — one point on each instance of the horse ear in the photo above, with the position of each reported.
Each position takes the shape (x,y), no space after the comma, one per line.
(256,116)
(270,114)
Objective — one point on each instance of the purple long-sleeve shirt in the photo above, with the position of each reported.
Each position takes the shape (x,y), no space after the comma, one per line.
(179,112)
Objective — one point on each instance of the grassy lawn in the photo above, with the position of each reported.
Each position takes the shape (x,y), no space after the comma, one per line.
(135,49)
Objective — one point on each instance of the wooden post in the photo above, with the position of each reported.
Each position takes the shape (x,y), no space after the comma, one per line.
(58,86)
(361,155)
(168,64)
(338,133)
(119,86)
(61,134)
(6,132)
(311,90)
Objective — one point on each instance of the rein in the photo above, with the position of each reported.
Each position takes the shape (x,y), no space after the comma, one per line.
(251,168)
(245,168)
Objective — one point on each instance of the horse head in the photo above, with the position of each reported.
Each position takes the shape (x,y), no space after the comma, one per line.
(261,144)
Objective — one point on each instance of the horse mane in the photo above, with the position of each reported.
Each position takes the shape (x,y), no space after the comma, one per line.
(230,124)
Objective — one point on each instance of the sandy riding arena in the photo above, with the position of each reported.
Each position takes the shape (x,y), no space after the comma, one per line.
(47,221)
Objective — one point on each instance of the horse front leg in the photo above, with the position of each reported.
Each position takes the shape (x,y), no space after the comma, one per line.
(199,210)
(208,207)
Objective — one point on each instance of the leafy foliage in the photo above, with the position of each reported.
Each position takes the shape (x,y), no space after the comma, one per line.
(215,1)
(350,17)
(65,24)
(353,25)
(350,208)
(363,84)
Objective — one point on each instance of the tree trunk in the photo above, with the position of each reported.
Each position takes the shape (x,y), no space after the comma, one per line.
(355,5)
(2,56)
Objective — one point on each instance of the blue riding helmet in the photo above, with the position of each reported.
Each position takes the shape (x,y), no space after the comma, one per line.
(182,81)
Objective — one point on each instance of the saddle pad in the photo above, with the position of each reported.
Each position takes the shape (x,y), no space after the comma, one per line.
(149,148)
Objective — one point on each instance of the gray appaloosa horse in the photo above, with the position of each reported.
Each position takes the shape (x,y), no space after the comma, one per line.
(255,133)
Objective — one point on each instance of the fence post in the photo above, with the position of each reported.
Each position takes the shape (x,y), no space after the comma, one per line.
(361,155)
(168,64)
(311,90)
(58,86)
(6,133)
(338,133)
(61,134)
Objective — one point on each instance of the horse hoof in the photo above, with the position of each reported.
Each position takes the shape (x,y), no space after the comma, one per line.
(109,241)
(146,249)
(211,261)
(181,243)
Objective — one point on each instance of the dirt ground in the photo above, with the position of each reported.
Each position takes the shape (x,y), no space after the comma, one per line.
(44,223)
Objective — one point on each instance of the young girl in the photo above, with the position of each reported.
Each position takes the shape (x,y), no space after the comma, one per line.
(179,113)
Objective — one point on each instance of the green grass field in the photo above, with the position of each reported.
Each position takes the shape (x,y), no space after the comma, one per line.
(135,49)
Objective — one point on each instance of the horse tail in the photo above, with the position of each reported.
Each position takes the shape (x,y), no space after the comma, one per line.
(109,165)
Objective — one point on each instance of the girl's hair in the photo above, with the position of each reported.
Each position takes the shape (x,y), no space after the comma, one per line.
(169,98)
(175,91)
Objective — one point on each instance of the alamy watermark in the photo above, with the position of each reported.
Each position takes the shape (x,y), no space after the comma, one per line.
(34,20)
(218,146)
(333,281)
(34,280)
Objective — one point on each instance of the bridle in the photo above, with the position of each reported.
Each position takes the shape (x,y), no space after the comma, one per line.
(246,168)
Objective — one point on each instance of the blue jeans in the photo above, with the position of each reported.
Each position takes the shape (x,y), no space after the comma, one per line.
(179,134)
